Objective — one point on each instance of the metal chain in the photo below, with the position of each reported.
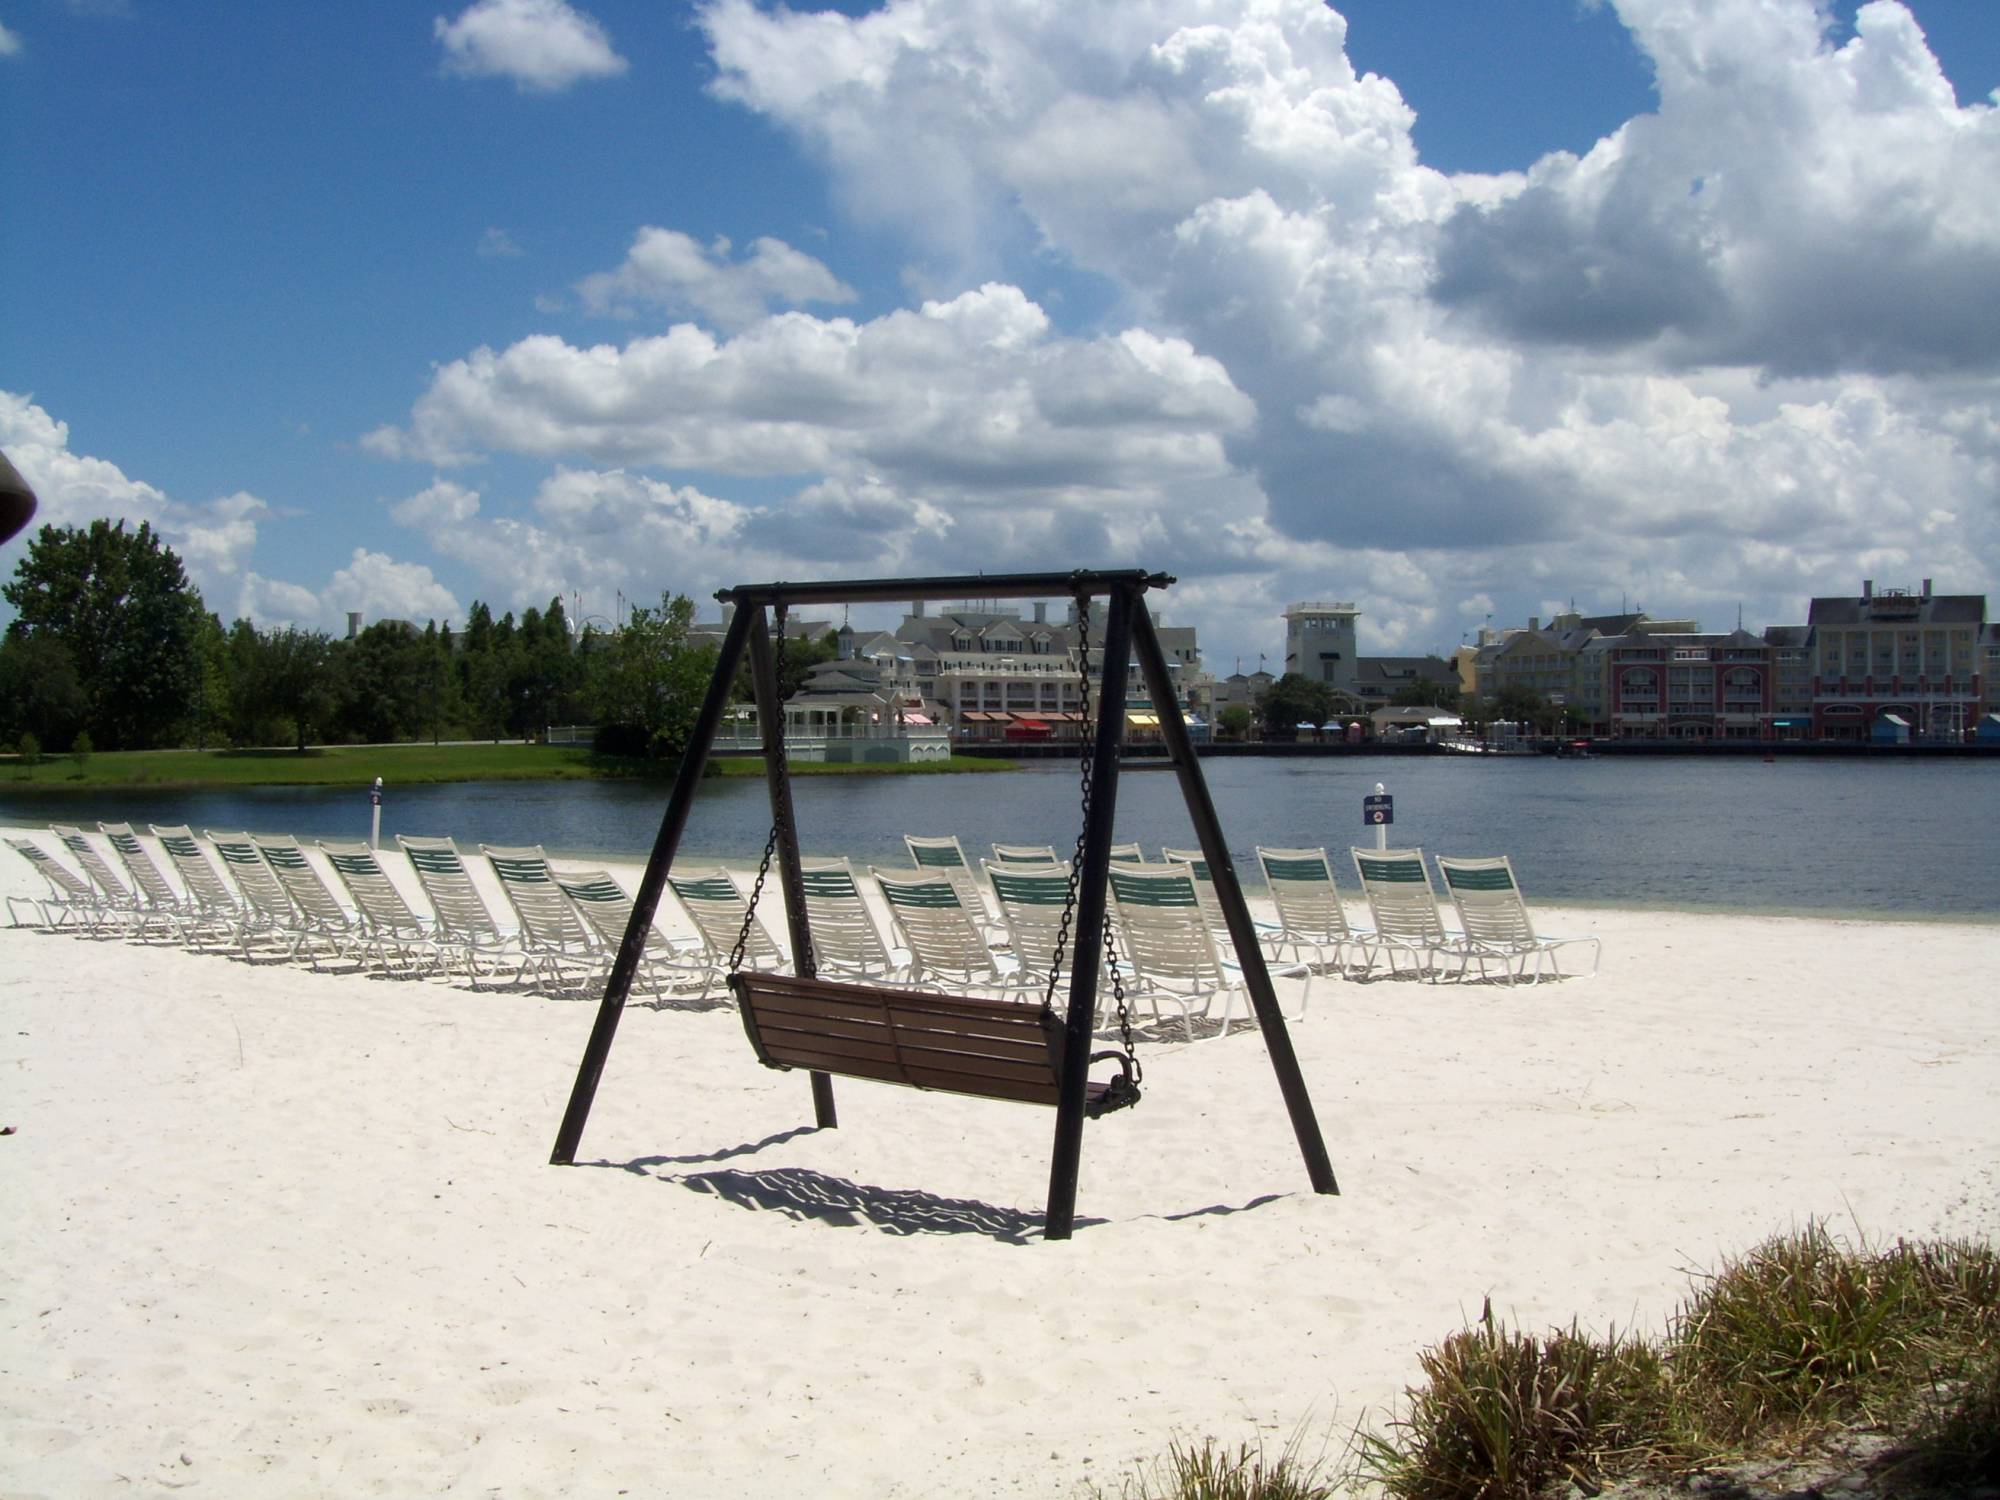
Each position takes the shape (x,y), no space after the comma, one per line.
(1088,759)
(771,843)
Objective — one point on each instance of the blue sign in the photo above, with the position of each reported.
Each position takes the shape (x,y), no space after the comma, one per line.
(1378,810)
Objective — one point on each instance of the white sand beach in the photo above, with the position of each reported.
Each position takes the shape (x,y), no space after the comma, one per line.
(269,1232)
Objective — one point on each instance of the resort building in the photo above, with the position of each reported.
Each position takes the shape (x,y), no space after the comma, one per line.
(1913,656)
(1320,644)
(1674,686)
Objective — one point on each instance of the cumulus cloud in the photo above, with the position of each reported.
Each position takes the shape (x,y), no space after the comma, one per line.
(381,588)
(670,270)
(214,539)
(1795,206)
(1721,356)
(10,44)
(545,46)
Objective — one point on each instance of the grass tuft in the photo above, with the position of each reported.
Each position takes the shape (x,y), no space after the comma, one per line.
(1503,1415)
(1212,1472)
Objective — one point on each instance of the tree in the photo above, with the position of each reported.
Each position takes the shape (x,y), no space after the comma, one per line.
(120,603)
(1235,721)
(1426,692)
(384,680)
(282,677)
(1524,704)
(1292,700)
(40,694)
(647,682)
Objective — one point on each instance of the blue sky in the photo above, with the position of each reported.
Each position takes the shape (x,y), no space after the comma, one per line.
(1449,310)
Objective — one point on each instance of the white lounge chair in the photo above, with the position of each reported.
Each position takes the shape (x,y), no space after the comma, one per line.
(1404,909)
(323,925)
(948,950)
(156,894)
(464,924)
(268,916)
(716,909)
(1312,920)
(1026,854)
(943,856)
(1168,942)
(390,936)
(117,902)
(845,939)
(665,966)
(70,903)
(1496,922)
(214,906)
(556,946)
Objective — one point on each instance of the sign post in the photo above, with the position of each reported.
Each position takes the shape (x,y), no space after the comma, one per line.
(1378,812)
(375,832)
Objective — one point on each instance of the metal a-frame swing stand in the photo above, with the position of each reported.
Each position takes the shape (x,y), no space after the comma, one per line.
(1128,632)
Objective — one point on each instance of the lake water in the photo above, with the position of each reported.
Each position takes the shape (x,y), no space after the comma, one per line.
(1904,838)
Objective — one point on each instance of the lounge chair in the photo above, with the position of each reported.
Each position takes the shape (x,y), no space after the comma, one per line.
(716,909)
(464,925)
(322,924)
(556,946)
(390,935)
(948,951)
(1404,909)
(268,916)
(664,965)
(155,892)
(1034,898)
(943,856)
(1496,922)
(70,901)
(117,902)
(846,940)
(1312,921)
(1026,854)
(214,906)
(1173,951)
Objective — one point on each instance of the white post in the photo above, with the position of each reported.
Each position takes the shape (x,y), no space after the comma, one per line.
(1381,830)
(375,832)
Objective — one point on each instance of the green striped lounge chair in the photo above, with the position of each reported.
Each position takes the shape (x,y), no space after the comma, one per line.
(116,902)
(943,856)
(70,901)
(1171,940)
(214,907)
(1495,921)
(948,951)
(558,952)
(716,910)
(665,966)
(324,925)
(846,940)
(464,924)
(390,936)
(163,905)
(1312,920)
(1404,909)
(268,918)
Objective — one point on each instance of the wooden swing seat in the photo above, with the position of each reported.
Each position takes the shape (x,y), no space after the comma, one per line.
(988,1049)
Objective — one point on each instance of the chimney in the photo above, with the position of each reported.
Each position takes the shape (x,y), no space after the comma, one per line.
(353,623)
(917,610)
(1534,623)
(1927,588)
(1868,588)
(1042,608)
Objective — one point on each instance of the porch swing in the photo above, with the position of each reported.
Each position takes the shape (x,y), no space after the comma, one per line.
(984,1048)
(972,1045)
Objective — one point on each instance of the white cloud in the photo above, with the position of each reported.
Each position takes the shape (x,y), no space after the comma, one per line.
(543,45)
(668,269)
(214,540)
(1743,343)
(383,589)
(10,44)
(498,244)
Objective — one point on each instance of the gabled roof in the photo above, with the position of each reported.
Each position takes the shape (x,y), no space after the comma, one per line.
(1893,608)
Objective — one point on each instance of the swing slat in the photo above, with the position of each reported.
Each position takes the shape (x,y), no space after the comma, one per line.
(988,1049)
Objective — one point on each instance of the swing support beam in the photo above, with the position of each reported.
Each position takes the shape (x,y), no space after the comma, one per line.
(1128,633)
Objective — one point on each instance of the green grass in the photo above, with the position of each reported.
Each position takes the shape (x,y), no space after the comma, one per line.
(1779,1356)
(397,765)
(744,765)
(1775,1355)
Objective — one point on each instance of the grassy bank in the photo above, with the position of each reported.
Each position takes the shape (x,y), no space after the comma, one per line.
(397,765)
